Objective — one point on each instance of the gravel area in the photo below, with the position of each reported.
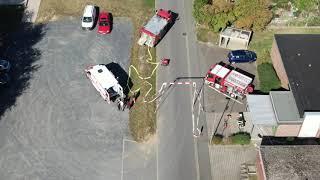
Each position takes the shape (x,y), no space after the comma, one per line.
(59,127)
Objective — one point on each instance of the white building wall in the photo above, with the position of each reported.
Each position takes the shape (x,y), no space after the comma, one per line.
(311,124)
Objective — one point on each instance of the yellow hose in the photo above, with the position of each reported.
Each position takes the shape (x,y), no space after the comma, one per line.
(149,60)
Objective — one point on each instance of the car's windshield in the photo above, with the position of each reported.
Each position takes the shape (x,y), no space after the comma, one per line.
(249,55)
(87,19)
(104,23)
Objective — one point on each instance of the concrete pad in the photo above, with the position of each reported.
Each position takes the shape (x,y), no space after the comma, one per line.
(226,160)
(139,161)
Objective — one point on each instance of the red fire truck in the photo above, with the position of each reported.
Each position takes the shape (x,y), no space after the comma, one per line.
(229,81)
(156,27)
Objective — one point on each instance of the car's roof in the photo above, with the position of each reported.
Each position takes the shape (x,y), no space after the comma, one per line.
(103,76)
(239,52)
(88,10)
(104,14)
(2,61)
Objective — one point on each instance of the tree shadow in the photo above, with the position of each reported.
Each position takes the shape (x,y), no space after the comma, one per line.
(122,75)
(259,92)
(18,40)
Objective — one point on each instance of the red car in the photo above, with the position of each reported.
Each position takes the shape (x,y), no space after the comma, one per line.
(104,23)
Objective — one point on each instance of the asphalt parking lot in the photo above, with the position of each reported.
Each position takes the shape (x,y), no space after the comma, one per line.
(57,126)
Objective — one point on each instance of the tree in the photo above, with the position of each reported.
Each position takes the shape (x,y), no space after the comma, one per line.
(252,14)
(221,20)
(198,10)
(221,15)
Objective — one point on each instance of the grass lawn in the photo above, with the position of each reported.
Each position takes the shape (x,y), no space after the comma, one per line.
(142,121)
(261,43)
(268,77)
(205,35)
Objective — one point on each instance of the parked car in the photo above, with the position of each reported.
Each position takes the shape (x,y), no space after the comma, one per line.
(88,18)
(104,23)
(242,56)
(4,66)
(4,78)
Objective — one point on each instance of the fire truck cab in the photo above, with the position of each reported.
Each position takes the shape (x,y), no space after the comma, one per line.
(156,27)
(227,80)
(105,82)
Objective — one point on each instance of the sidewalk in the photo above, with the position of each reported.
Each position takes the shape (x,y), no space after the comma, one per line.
(31,12)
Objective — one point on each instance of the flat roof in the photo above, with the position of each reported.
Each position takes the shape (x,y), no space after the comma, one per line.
(291,162)
(285,107)
(236,33)
(238,79)
(105,78)
(261,110)
(220,71)
(300,56)
(155,24)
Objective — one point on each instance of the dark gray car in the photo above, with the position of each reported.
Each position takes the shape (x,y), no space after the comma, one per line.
(4,66)
(4,78)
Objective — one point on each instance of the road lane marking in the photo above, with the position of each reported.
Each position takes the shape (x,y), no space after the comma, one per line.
(122,158)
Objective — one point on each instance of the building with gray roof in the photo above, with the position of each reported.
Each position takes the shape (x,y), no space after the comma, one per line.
(299,162)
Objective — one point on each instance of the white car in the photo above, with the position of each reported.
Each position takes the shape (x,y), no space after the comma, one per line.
(89,16)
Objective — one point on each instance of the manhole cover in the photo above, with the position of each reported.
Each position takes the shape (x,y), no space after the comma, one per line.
(184,34)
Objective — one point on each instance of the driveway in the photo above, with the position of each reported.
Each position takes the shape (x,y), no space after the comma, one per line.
(58,127)
(216,105)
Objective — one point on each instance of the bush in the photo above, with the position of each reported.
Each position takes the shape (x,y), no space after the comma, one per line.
(268,77)
(305,5)
(282,4)
(216,139)
(248,14)
(241,138)
(220,21)
(313,21)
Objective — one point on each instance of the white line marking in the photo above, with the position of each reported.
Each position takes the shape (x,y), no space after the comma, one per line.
(171,83)
(180,83)
(157,154)
(122,159)
(187,83)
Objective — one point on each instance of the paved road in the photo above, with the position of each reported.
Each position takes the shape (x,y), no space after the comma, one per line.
(178,156)
(59,127)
